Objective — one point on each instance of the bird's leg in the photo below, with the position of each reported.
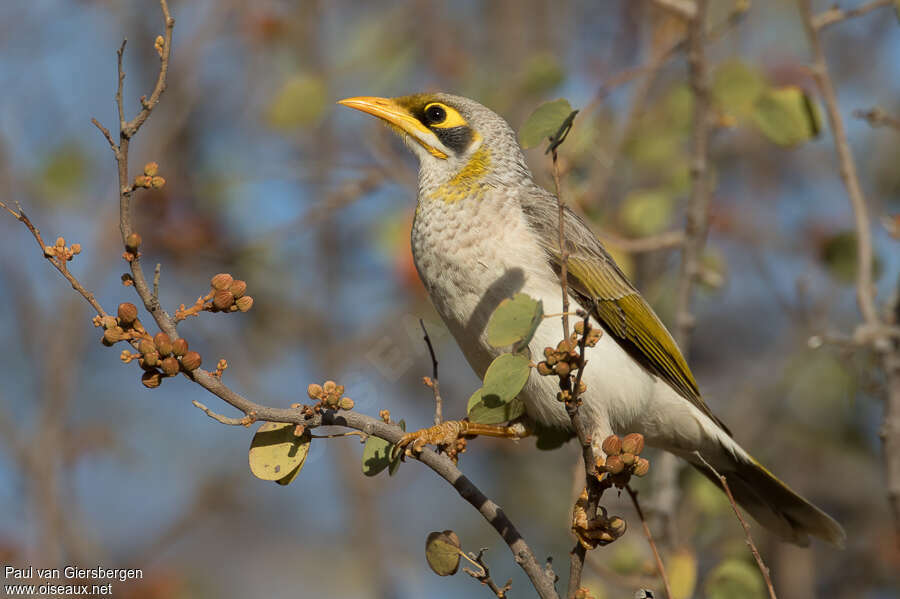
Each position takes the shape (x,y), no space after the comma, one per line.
(447,433)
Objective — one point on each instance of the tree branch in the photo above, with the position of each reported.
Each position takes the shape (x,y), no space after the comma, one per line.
(836,15)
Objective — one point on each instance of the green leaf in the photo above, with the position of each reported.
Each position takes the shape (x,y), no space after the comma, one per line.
(549,438)
(477,411)
(276,453)
(838,254)
(376,456)
(395,463)
(442,551)
(736,87)
(300,101)
(544,122)
(514,321)
(786,115)
(504,379)
(734,579)
(541,73)
(647,212)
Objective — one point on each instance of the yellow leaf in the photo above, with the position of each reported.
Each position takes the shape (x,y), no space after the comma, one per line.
(276,453)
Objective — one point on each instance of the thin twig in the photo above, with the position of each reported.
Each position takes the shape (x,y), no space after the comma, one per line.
(433,383)
(218,417)
(156,273)
(764,570)
(659,563)
(836,15)
(876,117)
(563,249)
(484,576)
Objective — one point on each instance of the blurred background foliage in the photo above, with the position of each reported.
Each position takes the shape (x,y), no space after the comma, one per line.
(311,205)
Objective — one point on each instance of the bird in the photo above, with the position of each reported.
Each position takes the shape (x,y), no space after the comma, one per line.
(484,230)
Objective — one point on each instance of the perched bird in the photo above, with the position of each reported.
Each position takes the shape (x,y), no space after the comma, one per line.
(484,231)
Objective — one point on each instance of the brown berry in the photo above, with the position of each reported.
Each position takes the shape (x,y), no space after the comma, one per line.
(543,369)
(627,458)
(614,464)
(223,299)
(579,327)
(223,280)
(633,443)
(641,467)
(612,445)
(179,347)
(163,344)
(151,168)
(109,322)
(616,526)
(170,366)
(238,288)
(76,249)
(152,379)
(157,182)
(133,242)
(60,242)
(142,181)
(244,303)
(563,369)
(127,313)
(314,391)
(329,387)
(113,335)
(146,346)
(191,361)
(151,359)
(346,403)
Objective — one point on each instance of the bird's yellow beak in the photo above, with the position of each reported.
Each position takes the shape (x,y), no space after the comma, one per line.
(399,117)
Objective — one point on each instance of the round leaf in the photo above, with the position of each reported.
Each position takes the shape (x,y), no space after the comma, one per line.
(734,579)
(504,379)
(544,122)
(442,551)
(275,452)
(514,321)
(736,87)
(787,116)
(376,456)
(483,414)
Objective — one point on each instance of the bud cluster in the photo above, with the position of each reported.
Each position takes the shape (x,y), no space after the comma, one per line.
(601,530)
(61,251)
(623,459)
(567,358)
(329,395)
(150,178)
(226,294)
(162,357)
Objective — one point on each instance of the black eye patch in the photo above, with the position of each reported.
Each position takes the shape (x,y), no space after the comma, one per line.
(455,138)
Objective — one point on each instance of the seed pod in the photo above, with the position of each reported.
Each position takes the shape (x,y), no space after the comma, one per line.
(223,280)
(627,458)
(151,169)
(180,347)
(346,403)
(170,366)
(633,443)
(612,445)
(127,313)
(641,467)
(163,344)
(238,288)
(113,335)
(244,303)
(151,359)
(223,299)
(314,391)
(151,379)
(563,369)
(191,361)
(133,242)
(614,464)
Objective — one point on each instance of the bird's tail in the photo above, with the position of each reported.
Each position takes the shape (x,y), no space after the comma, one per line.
(771,502)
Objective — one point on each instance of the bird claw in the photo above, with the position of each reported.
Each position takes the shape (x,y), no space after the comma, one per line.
(444,433)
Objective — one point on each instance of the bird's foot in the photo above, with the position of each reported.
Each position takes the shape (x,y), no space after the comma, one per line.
(451,435)
(600,529)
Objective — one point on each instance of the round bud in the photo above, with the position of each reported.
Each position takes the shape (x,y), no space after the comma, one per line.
(60,242)
(113,335)
(76,249)
(127,313)
(170,366)
(582,387)
(612,445)
(614,464)
(314,391)
(543,369)
(151,379)
(563,369)
(109,322)
(191,361)
(133,242)
(633,443)
(223,299)
(151,358)
(146,346)
(163,344)
(329,387)
(151,168)
(142,181)
(346,403)
(616,526)
(179,347)
(244,303)
(627,458)
(157,182)
(223,280)
(641,467)
(579,327)
(238,288)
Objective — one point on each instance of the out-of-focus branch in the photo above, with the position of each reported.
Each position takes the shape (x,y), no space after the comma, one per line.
(652,243)
(836,15)
(660,568)
(882,342)
(876,117)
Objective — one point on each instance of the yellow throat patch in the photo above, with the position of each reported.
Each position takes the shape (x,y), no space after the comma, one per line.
(466,182)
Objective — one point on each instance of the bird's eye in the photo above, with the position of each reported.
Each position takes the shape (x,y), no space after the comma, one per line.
(435,114)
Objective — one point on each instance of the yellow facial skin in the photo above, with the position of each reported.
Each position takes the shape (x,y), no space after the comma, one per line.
(398,116)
